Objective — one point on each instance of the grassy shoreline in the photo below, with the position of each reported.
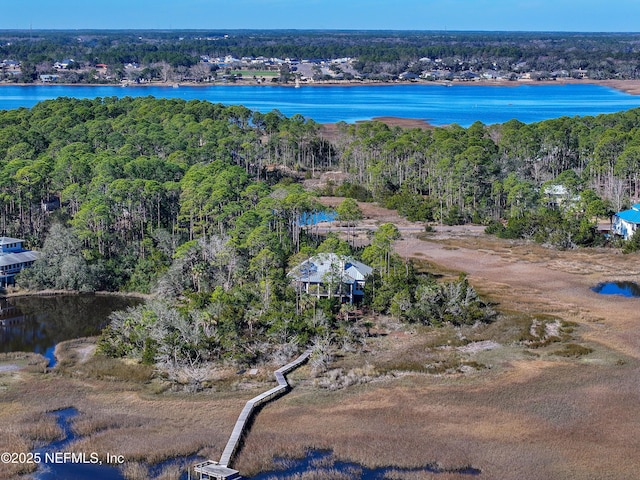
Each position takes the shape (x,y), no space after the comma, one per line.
(46,293)
(631,87)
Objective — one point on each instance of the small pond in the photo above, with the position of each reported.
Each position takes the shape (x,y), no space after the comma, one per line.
(39,323)
(313,218)
(626,289)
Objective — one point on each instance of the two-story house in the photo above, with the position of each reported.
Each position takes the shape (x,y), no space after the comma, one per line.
(625,223)
(13,258)
(331,275)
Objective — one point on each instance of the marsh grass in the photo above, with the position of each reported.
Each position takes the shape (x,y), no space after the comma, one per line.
(490,426)
(13,471)
(40,428)
(171,472)
(13,441)
(326,474)
(337,378)
(101,367)
(146,443)
(573,350)
(424,475)
(30,362)
(21,435)
(325,461)
(76,350)
(135,471)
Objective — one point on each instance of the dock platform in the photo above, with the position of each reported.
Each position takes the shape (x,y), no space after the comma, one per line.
(211,470)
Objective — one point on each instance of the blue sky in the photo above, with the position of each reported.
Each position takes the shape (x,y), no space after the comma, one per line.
(529,15)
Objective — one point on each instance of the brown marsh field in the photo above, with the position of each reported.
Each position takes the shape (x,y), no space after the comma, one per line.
(548,391)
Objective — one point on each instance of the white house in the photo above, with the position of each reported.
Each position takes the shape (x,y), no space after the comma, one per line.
(557,195)
(626,222)
(331,275)
(64,64)
(13,259)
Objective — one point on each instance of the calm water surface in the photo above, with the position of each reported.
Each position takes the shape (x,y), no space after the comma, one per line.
(313,218)
(462,104)
(38,324)
(626,289)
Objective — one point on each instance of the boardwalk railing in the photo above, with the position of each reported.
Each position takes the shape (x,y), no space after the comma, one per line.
(220,469)
(282,388)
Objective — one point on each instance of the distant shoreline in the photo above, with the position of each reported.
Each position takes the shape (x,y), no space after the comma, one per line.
(54,293)
(631,87)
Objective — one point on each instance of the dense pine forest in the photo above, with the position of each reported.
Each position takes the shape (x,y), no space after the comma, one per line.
(200,204)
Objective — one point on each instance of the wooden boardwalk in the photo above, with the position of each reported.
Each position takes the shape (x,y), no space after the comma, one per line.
(246,414)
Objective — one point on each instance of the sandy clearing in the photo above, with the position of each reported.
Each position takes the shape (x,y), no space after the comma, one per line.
(542,286)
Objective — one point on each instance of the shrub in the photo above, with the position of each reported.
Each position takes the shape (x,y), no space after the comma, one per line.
(573,350)
(633,244)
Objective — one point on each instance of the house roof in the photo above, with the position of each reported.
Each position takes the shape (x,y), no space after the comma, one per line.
(8,240)
(556,190)
(317,267)
(7,259)
(632,215)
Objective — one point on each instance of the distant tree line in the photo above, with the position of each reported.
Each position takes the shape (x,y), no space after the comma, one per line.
(594,55)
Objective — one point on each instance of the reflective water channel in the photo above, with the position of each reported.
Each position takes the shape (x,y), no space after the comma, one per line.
(323,464)
(53,465)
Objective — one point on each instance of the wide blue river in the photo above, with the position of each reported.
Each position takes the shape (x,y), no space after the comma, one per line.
(461,104)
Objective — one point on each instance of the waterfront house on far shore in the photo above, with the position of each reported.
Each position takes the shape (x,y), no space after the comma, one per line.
(13,259)
(331,275)
(64,64)
(49,78)
(626,223)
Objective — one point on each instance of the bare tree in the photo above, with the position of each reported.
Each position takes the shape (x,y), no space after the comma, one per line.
(166,72)
(201,72)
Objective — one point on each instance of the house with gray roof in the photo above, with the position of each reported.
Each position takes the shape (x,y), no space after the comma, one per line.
(626,223)
(13,259)
(330,275)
